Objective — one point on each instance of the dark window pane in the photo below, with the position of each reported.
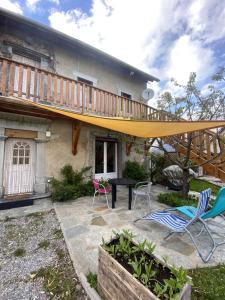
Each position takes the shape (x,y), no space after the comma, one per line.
(99,157)
(111,159)
(14,160)
(15,152)
(21,160)
(27,160)
(125,95)
(27,152)
(21,152)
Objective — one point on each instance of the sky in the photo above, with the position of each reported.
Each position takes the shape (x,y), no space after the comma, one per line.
(166,38)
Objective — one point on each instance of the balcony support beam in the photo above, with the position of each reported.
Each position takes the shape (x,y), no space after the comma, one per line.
(76,127)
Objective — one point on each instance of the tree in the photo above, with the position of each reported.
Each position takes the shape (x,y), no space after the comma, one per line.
(192,104)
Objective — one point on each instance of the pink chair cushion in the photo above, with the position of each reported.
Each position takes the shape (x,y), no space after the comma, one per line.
(103,191)
(99,187)
(96,184)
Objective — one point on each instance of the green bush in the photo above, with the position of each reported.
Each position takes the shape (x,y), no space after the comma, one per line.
(158,163)
(176,199)
(134,170)
(72,185)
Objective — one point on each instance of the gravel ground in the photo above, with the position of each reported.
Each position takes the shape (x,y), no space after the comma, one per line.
(34,261)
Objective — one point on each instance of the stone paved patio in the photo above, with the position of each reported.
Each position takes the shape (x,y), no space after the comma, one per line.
(84,226)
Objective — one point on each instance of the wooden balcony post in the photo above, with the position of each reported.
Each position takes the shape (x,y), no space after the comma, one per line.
(12,79)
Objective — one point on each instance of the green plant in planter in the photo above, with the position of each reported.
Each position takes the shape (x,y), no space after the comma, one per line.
(137,267)
(111,249)
(148,273)
(140,262)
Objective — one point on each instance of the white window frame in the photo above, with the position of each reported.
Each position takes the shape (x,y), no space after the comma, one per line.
(110,175)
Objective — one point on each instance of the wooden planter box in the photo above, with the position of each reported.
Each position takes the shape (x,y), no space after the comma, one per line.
(116,283)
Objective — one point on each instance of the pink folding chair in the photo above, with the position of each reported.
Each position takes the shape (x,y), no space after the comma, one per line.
(100,189)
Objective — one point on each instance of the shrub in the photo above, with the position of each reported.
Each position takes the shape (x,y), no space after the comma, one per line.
(72,185)
(176,199)
(134,170)
(158,163)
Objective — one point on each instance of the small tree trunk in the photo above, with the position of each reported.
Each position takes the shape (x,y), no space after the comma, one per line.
(185,189)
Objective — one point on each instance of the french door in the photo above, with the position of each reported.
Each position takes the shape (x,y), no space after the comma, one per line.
(19,166)
(105,159)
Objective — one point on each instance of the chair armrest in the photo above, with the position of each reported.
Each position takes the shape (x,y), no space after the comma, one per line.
(141,183)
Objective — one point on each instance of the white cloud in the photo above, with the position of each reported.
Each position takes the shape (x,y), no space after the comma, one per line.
(125,29)
(188,56)
(207,20)
(167,38)
(31,4)
(13,6)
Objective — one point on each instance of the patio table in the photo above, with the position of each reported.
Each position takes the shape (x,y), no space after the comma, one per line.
(122,181)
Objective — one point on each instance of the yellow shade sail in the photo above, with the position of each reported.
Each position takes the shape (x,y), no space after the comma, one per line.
(138,128)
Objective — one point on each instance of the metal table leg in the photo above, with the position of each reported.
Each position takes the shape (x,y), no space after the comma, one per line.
(130,197)
(113,195)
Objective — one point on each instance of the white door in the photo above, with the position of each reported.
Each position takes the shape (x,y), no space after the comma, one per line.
(105,159)
(19,166)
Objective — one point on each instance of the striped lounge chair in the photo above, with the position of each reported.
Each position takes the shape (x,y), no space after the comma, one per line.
(177,224)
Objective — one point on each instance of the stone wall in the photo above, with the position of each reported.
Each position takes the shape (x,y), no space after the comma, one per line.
(56,151)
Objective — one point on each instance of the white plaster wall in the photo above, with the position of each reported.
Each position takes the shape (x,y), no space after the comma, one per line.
(70,62)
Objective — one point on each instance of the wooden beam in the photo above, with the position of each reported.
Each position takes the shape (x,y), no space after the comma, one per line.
(128,147)
(17,133)
(76,127)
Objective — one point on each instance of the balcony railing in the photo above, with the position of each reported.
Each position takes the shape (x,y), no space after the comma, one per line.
(34,84)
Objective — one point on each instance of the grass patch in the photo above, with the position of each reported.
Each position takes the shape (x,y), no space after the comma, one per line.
(19,252)
(37,214)
(57,282)
(58,234)
(60,253)
(92,280)
(43,244)
(175,199)
(199,185)
(208,283)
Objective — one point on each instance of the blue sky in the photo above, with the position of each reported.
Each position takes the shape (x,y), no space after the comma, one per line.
(167,38)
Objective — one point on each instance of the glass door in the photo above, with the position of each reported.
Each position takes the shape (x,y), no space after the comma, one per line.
(105,159)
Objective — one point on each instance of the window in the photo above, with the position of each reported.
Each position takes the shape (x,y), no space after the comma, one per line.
(88,82)
(85,81)
(21,153)
(127,96)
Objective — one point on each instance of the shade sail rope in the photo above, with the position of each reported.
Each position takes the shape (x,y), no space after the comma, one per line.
(137,128)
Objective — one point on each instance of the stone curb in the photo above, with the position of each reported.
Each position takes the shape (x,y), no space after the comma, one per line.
(88,289)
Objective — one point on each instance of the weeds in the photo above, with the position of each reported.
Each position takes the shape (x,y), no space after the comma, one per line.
(92,280)
(43,244)
(19,252)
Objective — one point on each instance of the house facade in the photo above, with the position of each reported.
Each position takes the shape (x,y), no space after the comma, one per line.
(41,65)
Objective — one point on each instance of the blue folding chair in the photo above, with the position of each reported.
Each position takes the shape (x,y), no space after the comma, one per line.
(178,224)
(218,208)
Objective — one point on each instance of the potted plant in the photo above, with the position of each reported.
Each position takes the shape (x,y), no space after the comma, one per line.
(128,270)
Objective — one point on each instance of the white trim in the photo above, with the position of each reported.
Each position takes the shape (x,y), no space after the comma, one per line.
(106,175)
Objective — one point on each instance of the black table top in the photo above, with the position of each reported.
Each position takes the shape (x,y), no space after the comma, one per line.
(123,181)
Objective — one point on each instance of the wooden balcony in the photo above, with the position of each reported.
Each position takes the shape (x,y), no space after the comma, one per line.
(33,84)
